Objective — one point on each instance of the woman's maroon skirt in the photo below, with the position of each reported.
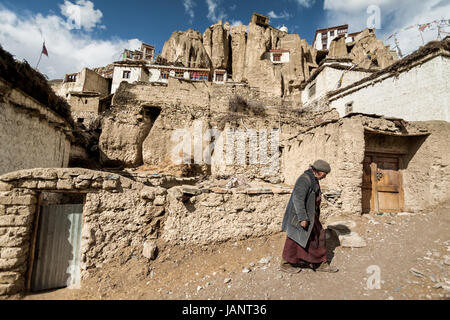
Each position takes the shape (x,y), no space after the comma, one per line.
(314,252)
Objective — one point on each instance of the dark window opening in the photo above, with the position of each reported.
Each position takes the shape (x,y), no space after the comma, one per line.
(126,74)
(220,77)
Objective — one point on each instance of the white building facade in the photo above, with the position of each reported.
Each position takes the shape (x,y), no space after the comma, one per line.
(419,91)
(129,72)
(323,37)
(327,79)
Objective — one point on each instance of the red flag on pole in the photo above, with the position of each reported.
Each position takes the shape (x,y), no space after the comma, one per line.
(44,49)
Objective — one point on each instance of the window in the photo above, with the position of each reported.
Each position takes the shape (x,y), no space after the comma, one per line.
(179,74)
(219,77)
(199,76)
(126,74)
(71,78)
(332,33)
(276,57)
(164,74)
(349,107)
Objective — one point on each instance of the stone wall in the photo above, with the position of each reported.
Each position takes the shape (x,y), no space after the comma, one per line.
(124,218)
(31,135)
(120,216)
(223,214)
(419,93)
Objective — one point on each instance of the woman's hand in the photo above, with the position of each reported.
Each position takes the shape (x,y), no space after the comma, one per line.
(304,224)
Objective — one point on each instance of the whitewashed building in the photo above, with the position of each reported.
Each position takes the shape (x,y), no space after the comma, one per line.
(129,71)
(220,76)
(162,73)
(279,56)
(323,37)
(331,75)
(416,88)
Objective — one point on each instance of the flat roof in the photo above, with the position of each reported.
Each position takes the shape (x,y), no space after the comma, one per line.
(431,50)
(177,68)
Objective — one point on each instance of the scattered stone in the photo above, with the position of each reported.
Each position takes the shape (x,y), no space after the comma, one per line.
(405,214)
(417,273)
(159,201)
(259,191)
(150,250)
(352,240)
(199,288)
(190,190)
(438,285)
(246,270)
(219,190)
(227,280)
(265,260)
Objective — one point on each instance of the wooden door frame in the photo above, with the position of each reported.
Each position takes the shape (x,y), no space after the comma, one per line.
(374,203)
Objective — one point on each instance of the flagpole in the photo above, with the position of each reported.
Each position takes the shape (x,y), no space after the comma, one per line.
(40,57)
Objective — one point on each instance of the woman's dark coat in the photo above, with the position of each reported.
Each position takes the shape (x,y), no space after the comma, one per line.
(301,207)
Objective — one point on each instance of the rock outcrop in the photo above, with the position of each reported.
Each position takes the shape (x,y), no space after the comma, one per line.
(216,43)
(369,52)
(186,48)
(244,51)
(238,35)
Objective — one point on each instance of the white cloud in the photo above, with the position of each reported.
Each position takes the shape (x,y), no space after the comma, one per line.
(189,8)
(235,23)
(395,15)
(306,3)
(283,15)
(215,13)
(81,15)
(353,5)
(69,51)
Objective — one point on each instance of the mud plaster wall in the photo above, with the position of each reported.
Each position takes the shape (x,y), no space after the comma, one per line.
(29,133)
(212,217)
(427,178)
(420,94)
(342,145)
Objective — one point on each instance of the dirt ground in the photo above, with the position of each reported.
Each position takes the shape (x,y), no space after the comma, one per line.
(412,252)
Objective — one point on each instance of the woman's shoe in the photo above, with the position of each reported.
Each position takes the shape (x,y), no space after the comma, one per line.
(325,267)
(289,268)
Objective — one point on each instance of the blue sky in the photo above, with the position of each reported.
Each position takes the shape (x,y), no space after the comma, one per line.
(107,27)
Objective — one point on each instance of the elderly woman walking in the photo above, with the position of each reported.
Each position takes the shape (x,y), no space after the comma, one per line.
(305,245)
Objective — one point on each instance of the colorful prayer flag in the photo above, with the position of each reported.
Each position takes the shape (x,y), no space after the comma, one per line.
(44,49)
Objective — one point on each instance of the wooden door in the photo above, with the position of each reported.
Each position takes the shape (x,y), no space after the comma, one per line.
(57,257)
(382,188)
